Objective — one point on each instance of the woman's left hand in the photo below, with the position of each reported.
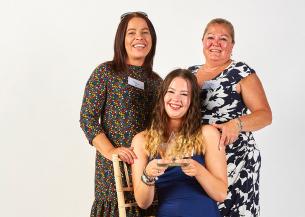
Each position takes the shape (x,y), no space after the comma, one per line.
(229,132)
(192,168)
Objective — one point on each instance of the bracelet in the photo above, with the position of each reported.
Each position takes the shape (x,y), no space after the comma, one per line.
(148,180)
(240,124)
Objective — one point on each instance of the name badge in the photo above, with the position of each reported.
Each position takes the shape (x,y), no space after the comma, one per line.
(136,83)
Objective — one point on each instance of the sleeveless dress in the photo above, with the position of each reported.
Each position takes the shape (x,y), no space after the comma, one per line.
(112,104)
(180,195)
(220,102)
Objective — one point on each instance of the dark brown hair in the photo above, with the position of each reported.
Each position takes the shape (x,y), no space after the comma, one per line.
(224,22)
(120,54)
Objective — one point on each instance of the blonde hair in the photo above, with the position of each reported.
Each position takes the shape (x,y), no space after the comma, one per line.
(224,22)
(184,146)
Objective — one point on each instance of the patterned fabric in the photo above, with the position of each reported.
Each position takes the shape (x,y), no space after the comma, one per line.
(221,103)
(120,110)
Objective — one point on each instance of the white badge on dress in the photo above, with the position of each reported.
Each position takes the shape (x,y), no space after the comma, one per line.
(136,83)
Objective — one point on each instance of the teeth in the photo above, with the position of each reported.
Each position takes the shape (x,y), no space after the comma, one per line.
(174,106)
(139,45)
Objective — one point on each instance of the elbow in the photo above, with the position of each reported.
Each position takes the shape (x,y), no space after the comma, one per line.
(268,118)
(143,205)
(221,196)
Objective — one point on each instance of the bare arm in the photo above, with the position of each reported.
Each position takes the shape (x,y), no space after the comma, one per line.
(255,99)
(213,175)
(254,96)
(144,194)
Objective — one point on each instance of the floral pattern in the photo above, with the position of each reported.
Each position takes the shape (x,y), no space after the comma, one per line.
(120,110)
(220,102)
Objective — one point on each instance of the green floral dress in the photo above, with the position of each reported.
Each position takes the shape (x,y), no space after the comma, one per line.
(118,104)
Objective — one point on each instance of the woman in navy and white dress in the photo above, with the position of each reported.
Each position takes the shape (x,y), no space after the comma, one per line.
(234,101)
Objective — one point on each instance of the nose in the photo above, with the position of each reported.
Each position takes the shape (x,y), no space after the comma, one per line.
(139,35)
(215,41)
(176,97)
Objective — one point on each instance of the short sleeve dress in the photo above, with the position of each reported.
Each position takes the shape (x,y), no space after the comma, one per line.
(220,102)
(118,104)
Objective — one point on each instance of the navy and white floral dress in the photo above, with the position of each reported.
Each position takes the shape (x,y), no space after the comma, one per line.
(220,102)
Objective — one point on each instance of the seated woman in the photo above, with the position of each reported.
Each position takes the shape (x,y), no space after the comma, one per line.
(186,187)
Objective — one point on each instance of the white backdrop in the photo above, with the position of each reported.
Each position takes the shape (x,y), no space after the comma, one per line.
(48,50)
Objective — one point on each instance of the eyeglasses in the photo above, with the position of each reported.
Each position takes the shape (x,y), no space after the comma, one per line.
(127,13)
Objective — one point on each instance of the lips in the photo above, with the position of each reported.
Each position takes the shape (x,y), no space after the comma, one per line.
(139,45)
(174,106)
(215,50)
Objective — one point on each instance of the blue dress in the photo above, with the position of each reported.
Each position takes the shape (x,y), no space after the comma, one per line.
(180,195)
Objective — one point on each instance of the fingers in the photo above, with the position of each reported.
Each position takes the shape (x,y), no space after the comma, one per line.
(229,133)
(222,140)
(134,156)
(124,157)
(126,154)
(218,126)
(189,170)
(159,171)
(152,169)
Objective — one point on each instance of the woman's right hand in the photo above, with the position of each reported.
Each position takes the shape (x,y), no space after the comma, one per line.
(229,132)
(153,170)
(125,154)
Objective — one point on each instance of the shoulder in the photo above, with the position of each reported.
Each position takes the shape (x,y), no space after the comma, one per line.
(243,68)
(210,134)
(105,67)
(156,77)
(139,139)
(210,131)
(138,143)
(194,68)
(102,70)
(154,81)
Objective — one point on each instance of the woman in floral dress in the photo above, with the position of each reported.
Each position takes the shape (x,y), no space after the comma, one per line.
(234,101)
(117,103)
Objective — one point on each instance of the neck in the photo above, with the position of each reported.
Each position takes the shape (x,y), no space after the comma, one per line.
(174,126)
(135,62)
(216,65)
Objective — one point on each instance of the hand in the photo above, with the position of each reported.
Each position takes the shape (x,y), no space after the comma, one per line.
(153,170)
(125,154)
(229,132)
(192,167)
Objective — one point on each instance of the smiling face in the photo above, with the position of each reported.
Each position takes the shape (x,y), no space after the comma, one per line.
(177,98)
(138,41)
(217,43)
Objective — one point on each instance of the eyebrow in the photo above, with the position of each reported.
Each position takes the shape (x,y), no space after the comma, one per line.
(220,35)
(182,91)
(145,28)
